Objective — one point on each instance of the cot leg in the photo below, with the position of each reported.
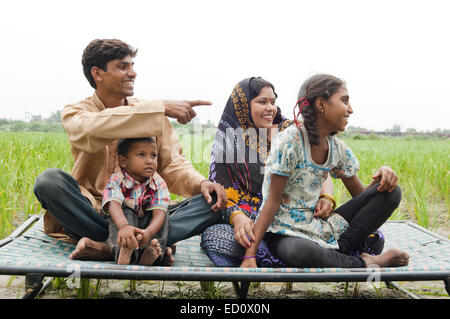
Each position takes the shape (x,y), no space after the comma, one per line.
(33,284)
(447,285)
(241,290)
(396,286)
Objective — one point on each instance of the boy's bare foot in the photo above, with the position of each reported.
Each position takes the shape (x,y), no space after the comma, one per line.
(168,259)
(392,258)
(88,249)
(150,253)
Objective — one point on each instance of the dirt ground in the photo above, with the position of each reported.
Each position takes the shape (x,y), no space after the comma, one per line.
(13,288)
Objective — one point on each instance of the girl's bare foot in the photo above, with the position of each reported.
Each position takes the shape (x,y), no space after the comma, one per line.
(392,258)
(150,253)
(88,249)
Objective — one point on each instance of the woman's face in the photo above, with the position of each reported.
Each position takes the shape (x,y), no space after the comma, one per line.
(263,108)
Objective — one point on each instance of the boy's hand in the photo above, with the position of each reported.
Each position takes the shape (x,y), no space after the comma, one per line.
(126,237)
(145,237)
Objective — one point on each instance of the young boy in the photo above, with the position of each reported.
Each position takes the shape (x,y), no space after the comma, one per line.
(135,202)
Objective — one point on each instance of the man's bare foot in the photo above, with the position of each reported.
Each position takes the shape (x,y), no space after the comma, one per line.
(88,249)
(392,258)
(151,253)
(124,256)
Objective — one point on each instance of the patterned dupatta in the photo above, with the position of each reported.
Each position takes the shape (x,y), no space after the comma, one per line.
(240,150)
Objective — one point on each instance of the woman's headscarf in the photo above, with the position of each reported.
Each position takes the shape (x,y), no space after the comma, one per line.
(239,150)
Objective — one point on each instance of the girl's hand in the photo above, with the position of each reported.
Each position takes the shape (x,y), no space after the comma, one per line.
(126,237)
(243,230)
(249,263)
(324,208)
(387,178)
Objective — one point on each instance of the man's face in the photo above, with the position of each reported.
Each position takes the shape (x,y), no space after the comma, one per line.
(118,79)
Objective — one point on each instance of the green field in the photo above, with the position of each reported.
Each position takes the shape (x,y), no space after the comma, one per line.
(422,166)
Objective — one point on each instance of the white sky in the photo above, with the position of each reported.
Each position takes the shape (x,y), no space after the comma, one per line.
(394,55)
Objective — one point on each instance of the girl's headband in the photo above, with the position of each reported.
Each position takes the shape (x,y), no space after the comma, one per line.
(303,101)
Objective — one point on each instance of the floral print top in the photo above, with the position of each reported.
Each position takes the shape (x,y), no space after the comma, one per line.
(290,155)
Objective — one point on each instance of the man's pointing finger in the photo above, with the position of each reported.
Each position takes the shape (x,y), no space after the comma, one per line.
(199,102)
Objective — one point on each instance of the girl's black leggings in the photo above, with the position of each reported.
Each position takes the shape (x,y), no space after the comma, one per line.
(365,213)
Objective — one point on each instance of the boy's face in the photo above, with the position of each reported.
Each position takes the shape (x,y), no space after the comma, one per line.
(118,79)
(141,161)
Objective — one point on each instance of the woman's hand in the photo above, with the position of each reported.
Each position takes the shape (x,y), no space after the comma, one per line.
(387,178)
(324,208)
(243,230)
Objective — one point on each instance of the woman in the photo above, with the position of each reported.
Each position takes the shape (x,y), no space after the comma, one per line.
(241,146)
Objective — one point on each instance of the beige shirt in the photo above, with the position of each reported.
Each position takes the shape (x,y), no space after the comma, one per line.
(93,132)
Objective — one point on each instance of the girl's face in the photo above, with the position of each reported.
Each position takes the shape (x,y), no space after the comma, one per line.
(263,108)
(336,111)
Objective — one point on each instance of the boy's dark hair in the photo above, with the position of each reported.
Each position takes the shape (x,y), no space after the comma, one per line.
(100,51)
(124,144)
(319,85)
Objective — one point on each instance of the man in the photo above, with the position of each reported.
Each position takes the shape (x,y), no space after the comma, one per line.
(94,125)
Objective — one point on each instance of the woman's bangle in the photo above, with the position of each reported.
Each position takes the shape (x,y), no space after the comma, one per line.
(236,212)
(247,257)
(123,225)
(330,198)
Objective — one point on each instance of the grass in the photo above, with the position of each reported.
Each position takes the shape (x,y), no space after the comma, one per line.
(423,167)
(23,156)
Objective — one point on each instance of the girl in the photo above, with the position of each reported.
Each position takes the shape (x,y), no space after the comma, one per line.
(300,160)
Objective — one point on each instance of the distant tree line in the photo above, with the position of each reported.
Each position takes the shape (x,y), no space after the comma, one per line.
(37,123)
(52,123)
(353,131)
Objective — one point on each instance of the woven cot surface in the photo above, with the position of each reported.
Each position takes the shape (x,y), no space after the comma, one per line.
(429,252)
